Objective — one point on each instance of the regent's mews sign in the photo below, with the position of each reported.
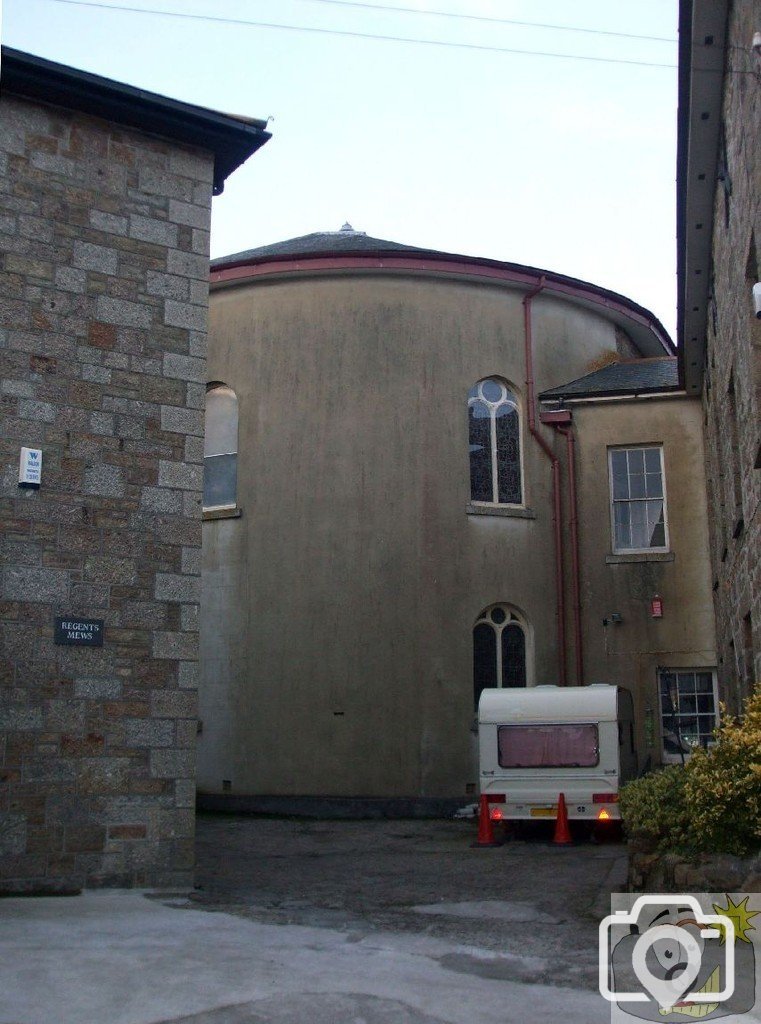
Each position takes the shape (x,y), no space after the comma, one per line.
(79,632)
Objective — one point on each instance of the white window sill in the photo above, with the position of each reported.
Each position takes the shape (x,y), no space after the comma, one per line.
(640,556)
(514,511)
(228,512)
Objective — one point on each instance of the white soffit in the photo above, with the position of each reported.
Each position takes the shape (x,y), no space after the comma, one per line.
(709,20)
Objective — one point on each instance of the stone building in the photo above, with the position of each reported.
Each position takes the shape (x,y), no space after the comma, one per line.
(719,235)
(105,199)
(394,520)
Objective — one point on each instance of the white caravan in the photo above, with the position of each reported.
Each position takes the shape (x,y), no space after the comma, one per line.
(539,741)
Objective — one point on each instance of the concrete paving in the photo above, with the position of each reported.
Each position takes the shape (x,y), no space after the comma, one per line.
(121,958)
(368,923)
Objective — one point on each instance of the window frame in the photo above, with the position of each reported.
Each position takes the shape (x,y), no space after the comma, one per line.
(227,507)
(612,501)
(667,757)
(514,399)
(553,726)
(513,617)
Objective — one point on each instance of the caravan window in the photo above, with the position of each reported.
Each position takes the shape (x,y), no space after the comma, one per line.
(548,746)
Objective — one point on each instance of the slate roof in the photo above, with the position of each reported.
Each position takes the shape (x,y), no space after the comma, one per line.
(647,333)
(636,376)
(345,240)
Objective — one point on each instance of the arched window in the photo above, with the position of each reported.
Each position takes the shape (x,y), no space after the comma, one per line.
(499,650)
(495,444)
(220,450)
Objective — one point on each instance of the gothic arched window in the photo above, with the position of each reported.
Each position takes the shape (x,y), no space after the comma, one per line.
(494,435)
(499,650)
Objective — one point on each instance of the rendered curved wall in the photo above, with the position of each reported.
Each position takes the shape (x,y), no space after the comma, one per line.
(337,610)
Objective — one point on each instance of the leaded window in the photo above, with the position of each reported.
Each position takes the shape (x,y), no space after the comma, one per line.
(220,463)
(499,650)
(495,444)
(638,499)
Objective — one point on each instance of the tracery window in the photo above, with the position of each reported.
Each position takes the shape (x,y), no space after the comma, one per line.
(220,462)
(494,435)
(499,650)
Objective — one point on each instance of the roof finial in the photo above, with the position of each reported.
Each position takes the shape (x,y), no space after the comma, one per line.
(347,229)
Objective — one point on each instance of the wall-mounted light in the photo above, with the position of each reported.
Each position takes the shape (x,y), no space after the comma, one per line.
(757,43)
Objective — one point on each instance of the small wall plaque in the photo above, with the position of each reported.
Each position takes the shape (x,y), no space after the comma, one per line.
(30,468)
(77,632)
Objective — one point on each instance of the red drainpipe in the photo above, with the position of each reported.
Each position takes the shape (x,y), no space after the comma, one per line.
(557,510)
(571,449)
(562,421)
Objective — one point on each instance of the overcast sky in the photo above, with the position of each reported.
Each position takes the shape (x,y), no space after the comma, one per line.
(565,164)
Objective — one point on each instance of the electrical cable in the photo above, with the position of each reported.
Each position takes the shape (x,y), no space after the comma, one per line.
(492,21)
(363,35)
(400,39)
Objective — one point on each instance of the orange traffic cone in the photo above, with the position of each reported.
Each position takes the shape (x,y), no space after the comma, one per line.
(485,830)
(562,835)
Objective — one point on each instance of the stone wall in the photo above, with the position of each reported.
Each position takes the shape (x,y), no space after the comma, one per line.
(104,284)
(705,872)
(732,393)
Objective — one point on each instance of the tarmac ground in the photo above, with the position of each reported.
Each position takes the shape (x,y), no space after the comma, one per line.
(417,877)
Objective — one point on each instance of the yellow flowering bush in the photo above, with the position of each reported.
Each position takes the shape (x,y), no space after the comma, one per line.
(653,809)
(712,803)
(723,785)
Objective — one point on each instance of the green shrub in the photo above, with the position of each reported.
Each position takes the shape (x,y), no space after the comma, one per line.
(712,803)
(723,786)
(654,811)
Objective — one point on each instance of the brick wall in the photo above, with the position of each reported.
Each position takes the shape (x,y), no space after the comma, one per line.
(103,309)
(732,394)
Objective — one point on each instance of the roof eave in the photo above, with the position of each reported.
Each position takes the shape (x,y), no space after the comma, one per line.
(232,141)
(559,396)
(648,333)
(702,30)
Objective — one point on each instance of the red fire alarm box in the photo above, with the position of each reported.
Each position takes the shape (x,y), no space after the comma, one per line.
(656,607)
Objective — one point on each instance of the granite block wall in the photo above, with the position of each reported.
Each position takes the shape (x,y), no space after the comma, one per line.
(732,391)
(104,235)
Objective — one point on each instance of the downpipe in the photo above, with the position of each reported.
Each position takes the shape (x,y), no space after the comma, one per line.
(557,509)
